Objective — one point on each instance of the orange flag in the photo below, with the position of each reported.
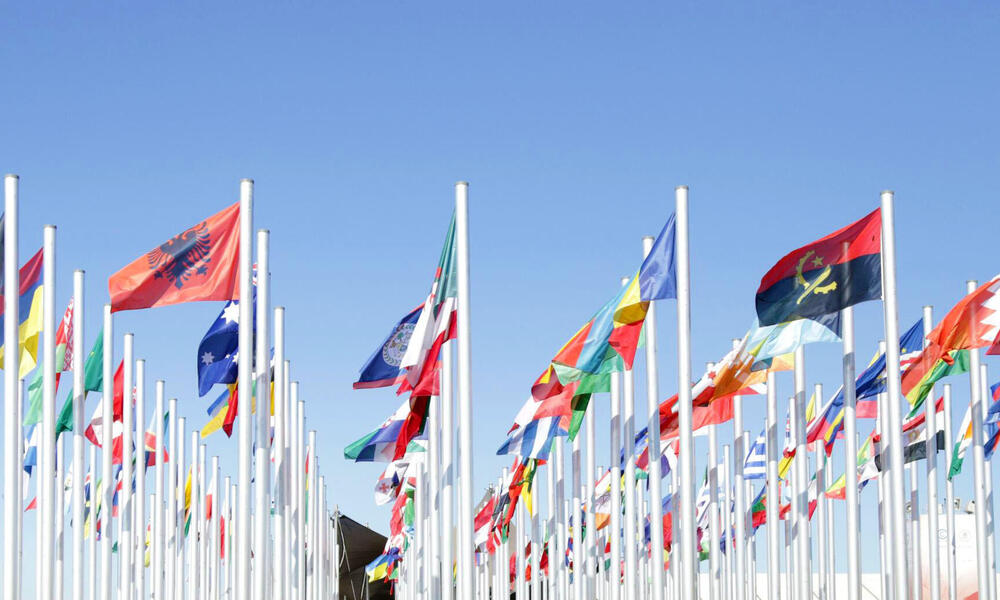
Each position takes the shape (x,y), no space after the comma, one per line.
(201,263)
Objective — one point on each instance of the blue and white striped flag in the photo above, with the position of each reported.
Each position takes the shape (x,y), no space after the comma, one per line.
(755,465)
(533,439)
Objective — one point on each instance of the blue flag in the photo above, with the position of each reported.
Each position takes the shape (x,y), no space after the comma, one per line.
(218,350)
(382,368)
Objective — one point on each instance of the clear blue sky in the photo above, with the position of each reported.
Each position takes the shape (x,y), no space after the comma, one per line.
(572,121)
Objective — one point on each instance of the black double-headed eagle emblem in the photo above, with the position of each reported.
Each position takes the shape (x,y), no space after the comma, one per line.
(182,256)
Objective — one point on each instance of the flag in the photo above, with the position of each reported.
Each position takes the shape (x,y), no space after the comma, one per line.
(755,465)
(29,314)
(390,441)
(391,480)
(217,412)
(771,341)
(832,273)
(201,263)
(871,382)
(533,440)
(93,381)
(383,367)
(64,356)
(218,350)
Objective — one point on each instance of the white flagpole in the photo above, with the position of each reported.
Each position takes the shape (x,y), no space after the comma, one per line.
(773,498)
(294,477)
(159,514)
(615,526)
(224,548)
(821,539)
(714,571)
(213,531)
(727,513)
(831,555)
(60,514)
(47,487)
(885,523)
(590,581)
(979,465)
(688,557)
(79,570)
(12,402)
(852,522)
(551,590)
(201,540)
(987,483)
(92,542)
(231,533)
(288,431)
(321,525)
(139,526)
(245,383)
(949,488)
(631,559)
(800,482)
(125,541)
(313,513)
(177,522)
(655,449)
(536,548)
(519,553)
(559,531)
(447,474)
(894,419)
(466,546)
(751,537)
(173,473)
(933,562)
(434,499)
(916,578)
(262,449)
(280,546)
(300,496)
(578,560)
(741,517)
(196,514)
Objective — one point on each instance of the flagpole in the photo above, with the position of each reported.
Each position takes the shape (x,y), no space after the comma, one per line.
(988,485)
(172,472)
(551,591)
(107,417)
(588,498)
(78,404)
(688,553)
(92,543)
(631,510)
(727,487)
(280,546)
(466,547)
(821,539)
(300,496)
(288,433)
(949,487)
(894,422)
(201,539)
(213,530)
(578,583)
(245,383)
(12,423)
(801,480)
(740,524)
(294,476)
(932,477)
(914,548)
(615,526)
(178,519)
(772,498)
(751,538)
(195,514)
(979,466)
(139,525)
(557,565)
(157,506)
(262,449)
(850,455)
(320,573)
(434,489)
(714,568)
(47,451)
(884,496)
(125,509)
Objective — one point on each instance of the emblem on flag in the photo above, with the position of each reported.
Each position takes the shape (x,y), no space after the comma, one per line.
(395,346)
(182,256)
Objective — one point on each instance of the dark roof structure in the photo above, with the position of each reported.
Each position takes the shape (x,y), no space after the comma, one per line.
(359,546)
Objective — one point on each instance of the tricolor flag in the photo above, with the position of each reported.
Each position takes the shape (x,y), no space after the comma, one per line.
(832,273)
(29,314)
(200,263)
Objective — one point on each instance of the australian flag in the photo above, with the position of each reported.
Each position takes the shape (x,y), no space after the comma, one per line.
(218,350)
(382,368)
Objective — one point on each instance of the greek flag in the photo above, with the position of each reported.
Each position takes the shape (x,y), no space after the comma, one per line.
(755,465)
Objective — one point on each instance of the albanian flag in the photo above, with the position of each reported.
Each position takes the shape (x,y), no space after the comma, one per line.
(832,273)
(202,263)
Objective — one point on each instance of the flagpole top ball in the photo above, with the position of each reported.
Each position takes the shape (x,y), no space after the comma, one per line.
(267,231)
(80,271)
(246,180)
(648,238)
(465,183)
(12,176)
(682,187)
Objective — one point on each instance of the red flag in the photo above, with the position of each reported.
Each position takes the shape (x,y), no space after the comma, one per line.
(201,263)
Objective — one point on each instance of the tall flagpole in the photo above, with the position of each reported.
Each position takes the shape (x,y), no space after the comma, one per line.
(280,547)
(773,497)
(615,527)
(800,483)
(78,401)
(687,556)
(92,530)
(850,455)
(740,520)
(714,572)
(447,474)
(578,568)
(177,522)
(107,418)
(988,487)
(978,464)
(170,510)
(300,495)
(655,449)
(434,495)
(12,403)
(631,510)
(286,476)
(262,449)
(949,487)
(294,479)
(139,501)
(47,486)
(159,543)
(466,547)
(893,423)
(125,542)
(197,512)
(245,383)
(933,562)
(822,540)
(588,498)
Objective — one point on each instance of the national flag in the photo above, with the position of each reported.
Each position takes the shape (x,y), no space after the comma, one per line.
(821,278)
(29,314)
(93,381)
(533,440)
(94,429)
(755,465)
(391,480)
(30,460)
(201,263)
(149,440)
(390,441)
(64,356)
(218,350)
(217,412)
(772,341)
(383,367)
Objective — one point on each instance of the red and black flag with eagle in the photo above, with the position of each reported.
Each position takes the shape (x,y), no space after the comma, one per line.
(202,263)
(832,273)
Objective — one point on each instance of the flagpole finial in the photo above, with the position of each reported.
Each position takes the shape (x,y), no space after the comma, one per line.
(648,238)
(267,231)
(465,183)
(246,180)
(681,187)
(80,271)
(12,176)
(888,193)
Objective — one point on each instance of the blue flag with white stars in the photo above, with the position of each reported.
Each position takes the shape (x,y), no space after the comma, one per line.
(219,349)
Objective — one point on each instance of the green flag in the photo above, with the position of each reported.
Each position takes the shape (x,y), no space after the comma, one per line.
(93,381)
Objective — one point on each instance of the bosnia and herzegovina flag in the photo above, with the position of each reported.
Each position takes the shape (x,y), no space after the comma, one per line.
(832,273)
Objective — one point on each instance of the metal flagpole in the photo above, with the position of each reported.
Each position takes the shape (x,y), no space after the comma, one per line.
(773,498)
(173,473)
(714,572)
(125,541)
(536,551)
(288,431)
(578,570)
(615,527)
(588,498)
(321,538)
(280,546)
(740,520)
(949,488)
(689,564)
(800,481)
(727,512)
(631,559)
(988,485)
(12,402)
(313,513)
(300,496)
(821,507)
(655,449)
(979,468)
(224,547)
(78,404)
(885,523)
(751,538)
(201,540)
(519,553)
(47,453)
(559,532)
(914,548)
(262,449)
(933,562)
(893,423)
(159,543)
(139,508)
(466,547)
(551,592)
(294,475)
(177,523)
(213,531)
(92,530)
(60,515)
(231,533)
(447,474)
(850,456)
(195,515)
(831,555)
(244,387)
(434,499)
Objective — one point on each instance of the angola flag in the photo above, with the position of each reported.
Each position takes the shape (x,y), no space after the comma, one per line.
(200,263)
(837,271)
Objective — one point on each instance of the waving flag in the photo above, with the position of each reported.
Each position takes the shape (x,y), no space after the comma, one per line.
(93,381)
(390,441)
(219,348)
(755,465)
(29,314)
(832,273)
(200,263)
(384,368)
(64,357)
